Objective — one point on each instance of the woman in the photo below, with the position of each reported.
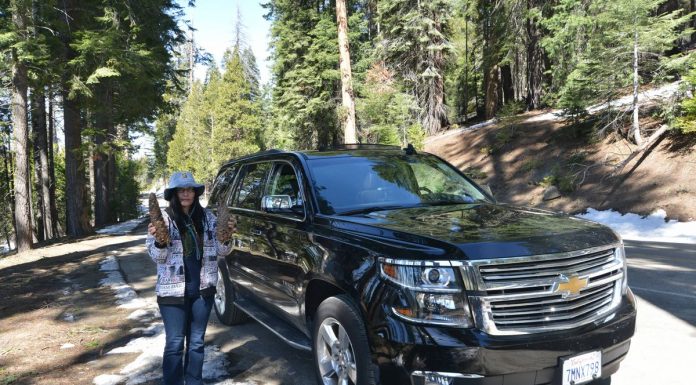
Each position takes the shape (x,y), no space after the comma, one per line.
(186,277)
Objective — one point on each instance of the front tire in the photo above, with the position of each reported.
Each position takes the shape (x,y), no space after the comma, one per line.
(225,309)
(340,346)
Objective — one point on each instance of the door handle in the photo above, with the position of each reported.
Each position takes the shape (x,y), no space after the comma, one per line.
(256,232)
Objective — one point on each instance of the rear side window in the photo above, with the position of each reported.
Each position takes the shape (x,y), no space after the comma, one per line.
(251,187)
(222,185)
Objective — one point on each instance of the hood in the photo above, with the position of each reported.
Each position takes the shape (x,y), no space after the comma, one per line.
(483,231)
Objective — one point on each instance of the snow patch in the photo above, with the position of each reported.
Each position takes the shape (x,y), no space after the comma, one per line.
(108,379)
(121,227)
(126,297)
(653,227)
(148,365)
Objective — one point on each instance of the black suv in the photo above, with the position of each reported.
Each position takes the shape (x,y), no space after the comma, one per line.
(393,267)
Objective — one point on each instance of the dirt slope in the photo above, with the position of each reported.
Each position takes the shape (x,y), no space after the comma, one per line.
(519,158)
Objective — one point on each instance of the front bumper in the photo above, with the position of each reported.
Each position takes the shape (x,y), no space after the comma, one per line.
(413,354)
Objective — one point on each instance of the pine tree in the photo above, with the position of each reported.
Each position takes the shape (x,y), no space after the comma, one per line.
(415,45)
(235,114)
(610,41)
(189,140)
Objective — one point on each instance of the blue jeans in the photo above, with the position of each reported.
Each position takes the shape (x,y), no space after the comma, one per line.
(185,323)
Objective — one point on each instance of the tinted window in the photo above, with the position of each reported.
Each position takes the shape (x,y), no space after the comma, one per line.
(284,182)
(347,183)
(222,185)
(250,191)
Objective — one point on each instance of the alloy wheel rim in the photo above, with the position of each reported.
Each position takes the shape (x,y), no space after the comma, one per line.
(335,355)
(220,294)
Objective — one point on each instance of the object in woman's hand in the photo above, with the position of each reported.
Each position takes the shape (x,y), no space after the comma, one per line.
(224,232)
(161,230)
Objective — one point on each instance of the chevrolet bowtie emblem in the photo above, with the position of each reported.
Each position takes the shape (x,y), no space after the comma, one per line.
(569,286)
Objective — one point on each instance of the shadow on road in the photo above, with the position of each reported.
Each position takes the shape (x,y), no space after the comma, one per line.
(664,274)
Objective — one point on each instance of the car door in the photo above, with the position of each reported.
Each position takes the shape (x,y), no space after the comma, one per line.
(284,239)
(245,257)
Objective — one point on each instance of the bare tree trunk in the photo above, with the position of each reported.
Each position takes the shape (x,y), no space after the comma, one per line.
(52,170)
(41,141)
(100,158)
(21,138)
(492,87)
(348,120)
(466,69)
(636,123)
(9,175)
(77,220)
(507,84)
(22,178)
(76,216)
(38,124)
(535,62)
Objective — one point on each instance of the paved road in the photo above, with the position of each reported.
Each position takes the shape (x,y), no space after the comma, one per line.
(662,275)
(663,351)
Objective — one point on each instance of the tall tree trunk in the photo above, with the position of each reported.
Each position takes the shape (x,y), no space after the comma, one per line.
(466,69)
(507,84)
(41,141)
(100,157)
(21,138)
(535,62)
(492,88)
(636,123)
(38,125)
(76,216)
(52,170)
(111,172)
(348,120)
(77,220)
(9,175)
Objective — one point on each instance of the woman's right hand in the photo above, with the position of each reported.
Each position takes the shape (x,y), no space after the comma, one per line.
(153,231)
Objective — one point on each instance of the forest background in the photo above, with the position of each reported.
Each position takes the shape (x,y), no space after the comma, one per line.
(373,71)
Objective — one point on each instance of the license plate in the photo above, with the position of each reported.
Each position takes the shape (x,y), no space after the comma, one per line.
(582,368)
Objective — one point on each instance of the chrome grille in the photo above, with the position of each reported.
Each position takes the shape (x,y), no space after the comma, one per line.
(528,294)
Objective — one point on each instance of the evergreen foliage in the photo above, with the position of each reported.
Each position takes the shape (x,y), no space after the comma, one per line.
(415,45)
(592,46)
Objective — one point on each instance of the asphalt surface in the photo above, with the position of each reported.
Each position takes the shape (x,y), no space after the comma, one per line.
(663,350)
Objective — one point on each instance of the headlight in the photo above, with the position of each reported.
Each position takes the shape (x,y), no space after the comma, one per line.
(432,293)
(620,254)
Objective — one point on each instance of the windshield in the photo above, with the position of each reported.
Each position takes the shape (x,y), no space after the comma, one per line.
(351,184)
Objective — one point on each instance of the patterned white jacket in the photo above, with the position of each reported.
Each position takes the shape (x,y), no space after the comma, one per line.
(170,259)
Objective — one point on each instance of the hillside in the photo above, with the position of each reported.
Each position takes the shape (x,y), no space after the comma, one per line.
(520,157)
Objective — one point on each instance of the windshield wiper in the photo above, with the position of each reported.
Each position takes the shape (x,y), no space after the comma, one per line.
(370,209)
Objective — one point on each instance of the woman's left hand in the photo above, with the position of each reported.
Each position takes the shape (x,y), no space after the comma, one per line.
(225,233)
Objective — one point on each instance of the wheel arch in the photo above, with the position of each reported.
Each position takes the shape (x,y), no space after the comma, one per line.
(317,291)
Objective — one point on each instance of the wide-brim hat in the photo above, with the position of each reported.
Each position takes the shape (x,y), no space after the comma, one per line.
(182,180)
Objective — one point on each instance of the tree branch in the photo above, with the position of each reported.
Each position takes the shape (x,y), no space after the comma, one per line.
(655,135)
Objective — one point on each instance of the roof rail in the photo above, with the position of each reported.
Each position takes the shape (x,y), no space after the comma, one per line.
(357,146)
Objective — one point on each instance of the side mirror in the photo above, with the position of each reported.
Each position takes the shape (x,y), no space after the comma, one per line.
(271,203)
(281,204)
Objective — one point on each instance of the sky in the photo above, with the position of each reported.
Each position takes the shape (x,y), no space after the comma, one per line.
(215,20)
